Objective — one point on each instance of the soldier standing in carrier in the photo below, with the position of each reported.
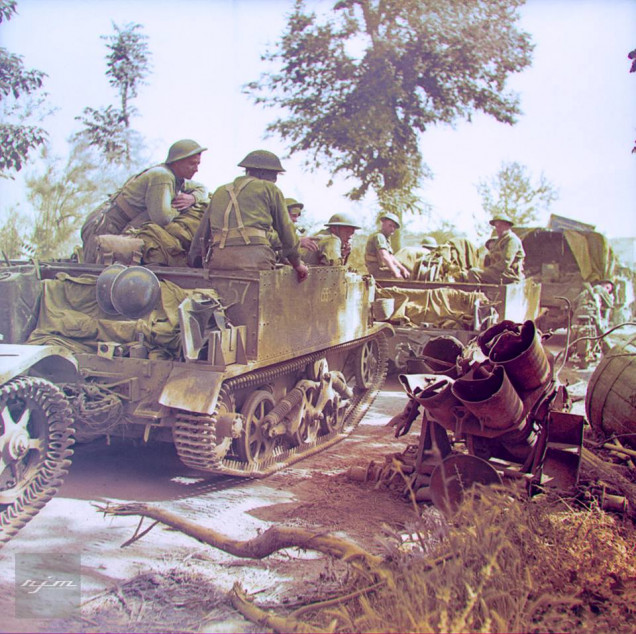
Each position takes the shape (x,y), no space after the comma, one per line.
(235,230)
(333,245)
(157,195)
(505,257)
(378,255)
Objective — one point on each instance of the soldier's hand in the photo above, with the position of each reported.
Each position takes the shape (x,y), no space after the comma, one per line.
(309,244)
(301,272)
(182,201)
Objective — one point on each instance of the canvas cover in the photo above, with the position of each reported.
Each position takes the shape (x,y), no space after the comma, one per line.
(70,316)
(440,307)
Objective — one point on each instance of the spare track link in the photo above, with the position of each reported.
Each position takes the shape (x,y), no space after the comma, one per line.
(195,434)
(54,461)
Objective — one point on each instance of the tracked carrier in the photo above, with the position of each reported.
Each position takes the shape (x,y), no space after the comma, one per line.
(244,372)
(423,312)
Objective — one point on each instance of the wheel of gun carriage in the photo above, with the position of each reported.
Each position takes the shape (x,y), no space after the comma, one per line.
(35,449)
(254,445)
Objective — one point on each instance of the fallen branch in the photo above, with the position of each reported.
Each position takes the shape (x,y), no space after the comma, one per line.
(257,615)
(270,541)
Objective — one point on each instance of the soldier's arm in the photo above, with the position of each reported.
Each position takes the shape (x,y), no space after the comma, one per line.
(199,191)
(390,261)
(159,203)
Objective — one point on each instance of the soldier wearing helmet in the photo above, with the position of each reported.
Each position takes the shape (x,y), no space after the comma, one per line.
(333,244)
(236,228)
(156,196)
(294,209)
(378,256)
(505,257)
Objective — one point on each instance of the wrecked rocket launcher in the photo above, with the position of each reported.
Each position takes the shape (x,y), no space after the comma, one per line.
(244,372)
(501,401)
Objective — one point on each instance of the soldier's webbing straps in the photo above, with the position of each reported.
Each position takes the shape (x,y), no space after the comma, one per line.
(233,204)
(123,204)
(118,200)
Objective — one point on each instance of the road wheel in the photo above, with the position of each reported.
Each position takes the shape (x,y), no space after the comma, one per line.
(254,445)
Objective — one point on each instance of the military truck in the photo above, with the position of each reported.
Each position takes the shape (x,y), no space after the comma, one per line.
(562,261)
(244,372)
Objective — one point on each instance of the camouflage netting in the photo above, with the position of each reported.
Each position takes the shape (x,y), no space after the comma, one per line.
(70,316)
(442,307)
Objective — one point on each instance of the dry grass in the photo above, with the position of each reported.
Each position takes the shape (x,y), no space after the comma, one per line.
(507,564)
(502,563)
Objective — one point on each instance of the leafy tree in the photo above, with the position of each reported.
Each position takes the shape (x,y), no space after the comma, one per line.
(420,63)
(18,136)
(511,193)
(128,63)
(65,191)
(12,230)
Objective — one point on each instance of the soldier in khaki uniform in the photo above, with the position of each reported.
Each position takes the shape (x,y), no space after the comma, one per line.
(157,195)
(505,257)
(333,245)
(378,256)
(235,230)
(294,209)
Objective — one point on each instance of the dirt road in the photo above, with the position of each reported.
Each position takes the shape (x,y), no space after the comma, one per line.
(314,493)
(166,581)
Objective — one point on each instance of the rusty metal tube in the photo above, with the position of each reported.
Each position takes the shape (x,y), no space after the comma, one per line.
(491,398)
(439,402)
(519,350)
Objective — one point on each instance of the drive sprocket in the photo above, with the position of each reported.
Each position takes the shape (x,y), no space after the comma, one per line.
(36,436)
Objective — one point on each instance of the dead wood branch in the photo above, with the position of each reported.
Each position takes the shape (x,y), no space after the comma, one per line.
(270,541)
(257,615)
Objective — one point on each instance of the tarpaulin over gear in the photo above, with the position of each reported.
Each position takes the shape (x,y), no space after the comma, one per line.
(581,255)
(592,253)
(70,316)
(169,245)
(440,307)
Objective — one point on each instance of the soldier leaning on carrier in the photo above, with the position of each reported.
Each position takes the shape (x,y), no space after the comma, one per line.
(160,209)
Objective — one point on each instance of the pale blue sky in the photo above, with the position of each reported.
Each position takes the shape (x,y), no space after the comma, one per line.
(578,99)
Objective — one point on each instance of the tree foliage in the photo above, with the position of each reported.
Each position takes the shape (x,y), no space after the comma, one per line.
(360,86)
(127,65)
(512,194)
(63,192)
(18,136)
(12,230)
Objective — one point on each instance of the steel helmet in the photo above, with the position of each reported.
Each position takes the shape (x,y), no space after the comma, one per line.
(104,285)
(183,149)
(292,202)
(428,242)
(391,216)
(502,219)
(135,292)
(341,220)
(262,159)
